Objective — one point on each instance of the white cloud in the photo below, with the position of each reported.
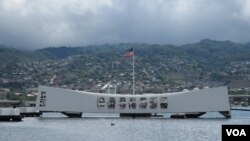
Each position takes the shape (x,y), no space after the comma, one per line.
(10,5)
(40,23)
(244,10)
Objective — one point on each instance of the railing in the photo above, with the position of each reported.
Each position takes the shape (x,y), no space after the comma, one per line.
(240,108)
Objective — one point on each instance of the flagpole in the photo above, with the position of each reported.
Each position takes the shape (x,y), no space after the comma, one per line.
(133,71)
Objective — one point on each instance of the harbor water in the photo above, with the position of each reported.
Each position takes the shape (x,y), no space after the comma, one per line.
(53,126)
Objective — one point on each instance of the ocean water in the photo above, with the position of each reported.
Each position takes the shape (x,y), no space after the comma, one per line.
(92,127)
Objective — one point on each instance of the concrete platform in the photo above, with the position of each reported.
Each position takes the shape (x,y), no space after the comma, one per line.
(10,114)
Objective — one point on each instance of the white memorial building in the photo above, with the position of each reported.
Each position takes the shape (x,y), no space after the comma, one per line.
(189,104)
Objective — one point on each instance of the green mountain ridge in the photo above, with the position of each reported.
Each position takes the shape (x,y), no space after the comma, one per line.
(205,49)
(159,68)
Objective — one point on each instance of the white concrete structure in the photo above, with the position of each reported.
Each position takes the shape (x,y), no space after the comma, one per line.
(29,111)
(9,111)
(10,114)
(188,102)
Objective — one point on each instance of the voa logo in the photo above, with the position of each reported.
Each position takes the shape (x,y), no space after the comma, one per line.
(236,132)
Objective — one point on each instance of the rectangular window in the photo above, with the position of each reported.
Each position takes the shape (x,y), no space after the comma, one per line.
(100,102)
(111,103)
(153,102)
(132,103)
(122,102)
(164,102)
(143,103)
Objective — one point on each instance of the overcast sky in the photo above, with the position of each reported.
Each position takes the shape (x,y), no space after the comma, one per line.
(36,24)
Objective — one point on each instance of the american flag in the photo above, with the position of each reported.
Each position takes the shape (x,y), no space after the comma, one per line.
(128,54)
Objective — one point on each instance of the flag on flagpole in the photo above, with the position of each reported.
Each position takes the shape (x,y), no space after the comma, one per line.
(128,54)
